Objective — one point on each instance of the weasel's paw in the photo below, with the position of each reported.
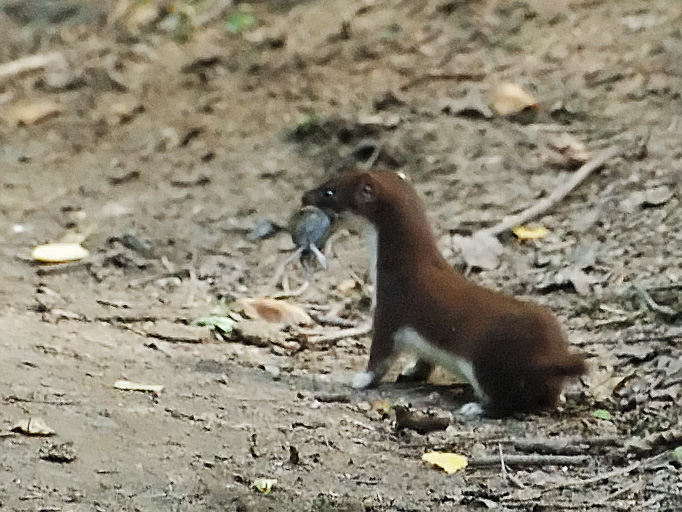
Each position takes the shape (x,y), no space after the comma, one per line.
(363,380)
(472,410)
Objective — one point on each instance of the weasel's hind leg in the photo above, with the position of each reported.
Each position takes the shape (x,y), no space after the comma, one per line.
(514,365)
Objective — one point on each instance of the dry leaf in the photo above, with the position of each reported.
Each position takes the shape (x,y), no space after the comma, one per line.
(508,98)
(126,385)
(264,485)
(33,427)
(567,151)
(472,106)
(480,250)
(59,252)
(346,286)
(274,311)
(657,196)
(31,112)
(260,333)
(526,233)
(449,462)
(603,383)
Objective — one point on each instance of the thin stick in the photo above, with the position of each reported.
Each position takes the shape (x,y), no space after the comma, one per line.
(505,472)
(530,460)
(30,63)
(607,476)
(281,268)
(550,201)
(292,293)
(360,330)
(652,304)
(331,320)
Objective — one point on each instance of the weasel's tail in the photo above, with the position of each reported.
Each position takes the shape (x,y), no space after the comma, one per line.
(572,365)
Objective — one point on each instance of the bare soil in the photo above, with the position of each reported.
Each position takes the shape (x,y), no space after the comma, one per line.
(171,143)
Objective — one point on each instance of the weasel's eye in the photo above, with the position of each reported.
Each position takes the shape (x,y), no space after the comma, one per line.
(329,193)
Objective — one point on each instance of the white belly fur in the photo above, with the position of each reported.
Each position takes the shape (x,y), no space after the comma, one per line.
(406,338)
(372,244)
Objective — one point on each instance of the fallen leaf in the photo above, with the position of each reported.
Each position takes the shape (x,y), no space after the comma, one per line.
(239,22)
(603,383)
(565,150)
(126,385)
(31,112)
(526,233)
(449,462)
(221,323)
(472,106)
(602,414)
(480,250)
(58,452)
(676,455)
(346,286)
(33,427)
(580,281)
(59,252)
(260,333)
(508,98)
(274,311)
(264,485)
(142,15)
(639,352)
(657,196)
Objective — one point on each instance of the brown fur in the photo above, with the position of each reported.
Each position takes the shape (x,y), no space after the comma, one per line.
(518,352)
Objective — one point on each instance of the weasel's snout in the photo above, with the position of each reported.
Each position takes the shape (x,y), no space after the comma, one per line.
(308,198)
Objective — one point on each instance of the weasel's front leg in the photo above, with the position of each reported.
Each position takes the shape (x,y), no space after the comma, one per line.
(381,355)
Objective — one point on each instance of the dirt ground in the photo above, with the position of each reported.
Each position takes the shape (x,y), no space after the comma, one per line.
(169,130)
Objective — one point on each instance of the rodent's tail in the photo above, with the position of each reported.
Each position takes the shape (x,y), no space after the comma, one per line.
(571,366)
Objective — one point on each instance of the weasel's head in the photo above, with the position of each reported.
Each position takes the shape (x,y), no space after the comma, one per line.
(362,193)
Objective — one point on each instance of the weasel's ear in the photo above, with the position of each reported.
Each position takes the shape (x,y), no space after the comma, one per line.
(366,193)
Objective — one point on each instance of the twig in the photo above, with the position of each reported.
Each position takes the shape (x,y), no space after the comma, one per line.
(331,320)
(607,476)
(505,471)
(360,330)
(651,303)
(30,63)
(610,497)
(281,268)
(550,201)
(440,75)
(565,445)
(292,293)
(530,460)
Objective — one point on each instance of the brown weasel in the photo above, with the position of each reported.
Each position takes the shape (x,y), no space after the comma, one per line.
(513,353)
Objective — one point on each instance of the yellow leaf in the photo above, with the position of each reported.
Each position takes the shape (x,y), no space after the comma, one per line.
(508,98)
(59,252)
(449,462)
(525,233)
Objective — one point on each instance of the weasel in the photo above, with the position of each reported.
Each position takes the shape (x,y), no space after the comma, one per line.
(512,352)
